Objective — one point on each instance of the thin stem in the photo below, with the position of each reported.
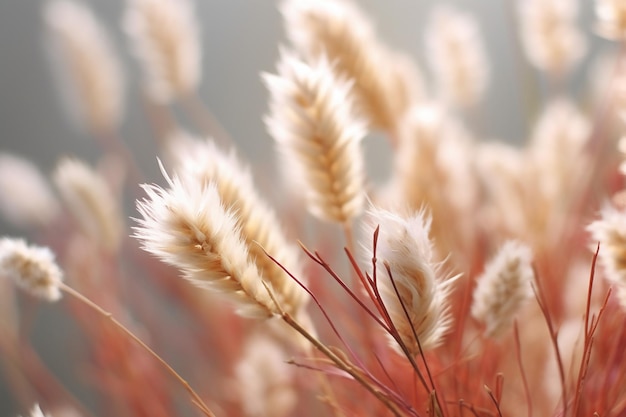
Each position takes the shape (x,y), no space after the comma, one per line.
(341,364)
(518,354)
(349,234)
(493,399)
(195,398)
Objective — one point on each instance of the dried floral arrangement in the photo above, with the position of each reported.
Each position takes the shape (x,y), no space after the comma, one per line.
(465,286)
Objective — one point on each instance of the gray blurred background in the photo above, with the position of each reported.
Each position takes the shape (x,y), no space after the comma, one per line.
(240,39)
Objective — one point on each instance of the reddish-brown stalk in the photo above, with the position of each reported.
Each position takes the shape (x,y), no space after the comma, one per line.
(518,355)
(590,327)
(541,301)
(360,374)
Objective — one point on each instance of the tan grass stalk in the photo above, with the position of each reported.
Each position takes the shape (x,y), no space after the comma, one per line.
(203,163)
(188,227)
(340,31)
(26,198)
(165,38)
(404,246)
(318,136)
(87,67)
(457,56)
(91,202)
(32,268)
(265,380)
(503,288)
(548,31)
(611,19)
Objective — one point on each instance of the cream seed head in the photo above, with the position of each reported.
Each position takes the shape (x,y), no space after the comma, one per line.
(91,201)
(265,379)
(88,69)
(611,19)
(610,232)
(404,245)
(201,162)
(26,198)
(32,268)
(457,56)
(318,136)
(165,38)
(503,288)
(338,29)
(188,227)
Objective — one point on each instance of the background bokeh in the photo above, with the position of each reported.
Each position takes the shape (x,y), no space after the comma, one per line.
(240,40)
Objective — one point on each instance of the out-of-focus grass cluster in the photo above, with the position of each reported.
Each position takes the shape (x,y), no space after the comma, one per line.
(465,285)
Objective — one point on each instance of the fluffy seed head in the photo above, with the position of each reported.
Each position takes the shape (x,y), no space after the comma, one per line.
(551,40)
(91,202)
(557,149)
(165,39)
(188,227)
(503,288)
(25,196)
(203,163)
(265,380)
(610,231)
(404,245)
(87,67)
(340,31)
(457,56)
(611,15)
(32,268)
(313,122)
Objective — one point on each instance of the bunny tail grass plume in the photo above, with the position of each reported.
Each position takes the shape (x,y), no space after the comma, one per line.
(188,227)
(503,288)
(265,380)
(32,268)
(338,30)
(457,56)
(25,196)
(548,31)
(404,245)
(202,162)
(91,202)
(557,151)
(317,134)
(88,68)
(165,39)
(611,19)
(610,232)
